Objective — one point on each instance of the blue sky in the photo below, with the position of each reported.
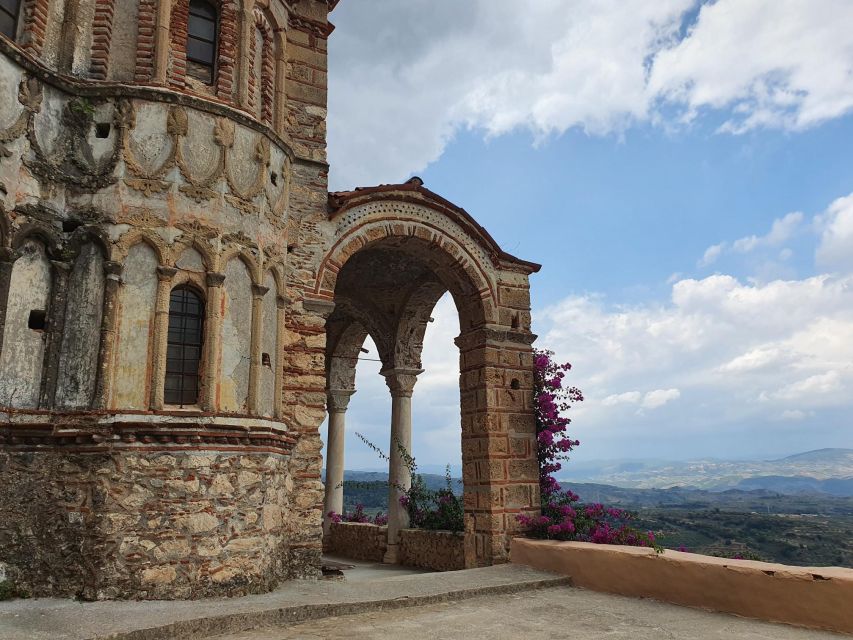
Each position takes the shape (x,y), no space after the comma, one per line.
(679,169)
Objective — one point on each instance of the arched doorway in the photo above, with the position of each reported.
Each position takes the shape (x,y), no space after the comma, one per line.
(397,250)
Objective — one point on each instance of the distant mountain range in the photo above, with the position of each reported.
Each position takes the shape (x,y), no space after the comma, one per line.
(827,471)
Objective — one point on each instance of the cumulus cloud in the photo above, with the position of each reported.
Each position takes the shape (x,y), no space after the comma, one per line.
(781,231)
(406,76)
(660,397)
(629,397)
(835,250)
(711,254)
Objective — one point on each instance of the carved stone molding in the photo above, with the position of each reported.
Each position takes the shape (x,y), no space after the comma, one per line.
(338,399)
(401,382)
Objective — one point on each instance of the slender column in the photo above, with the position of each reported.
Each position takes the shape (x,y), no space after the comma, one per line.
(281,311)
(162,41)
(7,263)
(245,62)
(165,275)
(337,401)
(401,382)
(258,293)
(112,285)
(280,111)
(213,340)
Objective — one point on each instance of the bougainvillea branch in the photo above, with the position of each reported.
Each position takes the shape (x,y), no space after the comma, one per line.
(563,517)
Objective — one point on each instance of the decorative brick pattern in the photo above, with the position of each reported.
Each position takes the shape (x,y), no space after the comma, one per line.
(102,32)
(266,82)
(35,15)
(146,40)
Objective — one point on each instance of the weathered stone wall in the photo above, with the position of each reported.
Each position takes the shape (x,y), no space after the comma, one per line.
(149,525)
(357,541)
(436,550)
(111,195)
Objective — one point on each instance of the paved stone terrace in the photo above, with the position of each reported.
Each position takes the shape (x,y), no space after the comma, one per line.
(382,601)
(369,587)
(546,614)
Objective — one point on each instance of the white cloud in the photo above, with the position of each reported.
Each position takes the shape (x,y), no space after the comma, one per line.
(782,230)
(660,397)
(835,250)
(776,63)
(629,397)
(711,254)
(405,77)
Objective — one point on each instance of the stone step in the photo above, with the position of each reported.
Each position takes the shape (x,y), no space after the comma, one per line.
(294,602)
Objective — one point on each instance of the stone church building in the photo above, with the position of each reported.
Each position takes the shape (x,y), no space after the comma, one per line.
(182,301)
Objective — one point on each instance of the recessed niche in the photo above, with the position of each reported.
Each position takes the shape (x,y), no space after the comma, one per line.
(102,130)
(37,320)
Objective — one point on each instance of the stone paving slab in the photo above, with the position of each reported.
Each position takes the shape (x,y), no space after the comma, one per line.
(559,613)
(53,619)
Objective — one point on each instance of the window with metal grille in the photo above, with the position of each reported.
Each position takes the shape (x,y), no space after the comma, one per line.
(183,358)
(9,17)
(202,37)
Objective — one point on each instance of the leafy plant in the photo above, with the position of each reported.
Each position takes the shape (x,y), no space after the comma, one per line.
(437,510)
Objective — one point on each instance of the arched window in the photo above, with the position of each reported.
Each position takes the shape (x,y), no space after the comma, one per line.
(183,359)
(9,17)
(202,36)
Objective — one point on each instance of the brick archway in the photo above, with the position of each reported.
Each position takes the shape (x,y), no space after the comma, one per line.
(391,260)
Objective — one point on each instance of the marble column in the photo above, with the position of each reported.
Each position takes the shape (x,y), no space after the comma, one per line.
(401,383)
(338,401)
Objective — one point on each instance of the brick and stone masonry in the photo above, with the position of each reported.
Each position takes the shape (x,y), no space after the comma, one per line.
(123,179)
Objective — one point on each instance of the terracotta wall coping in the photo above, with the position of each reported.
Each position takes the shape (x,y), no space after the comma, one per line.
(814,597)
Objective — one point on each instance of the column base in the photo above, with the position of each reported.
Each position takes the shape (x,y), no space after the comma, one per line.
(392,554)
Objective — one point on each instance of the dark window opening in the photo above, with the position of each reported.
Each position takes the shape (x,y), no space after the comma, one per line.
(183,357)
(266,360)
(102,130)
(9,17)
(37,320)
(202,37)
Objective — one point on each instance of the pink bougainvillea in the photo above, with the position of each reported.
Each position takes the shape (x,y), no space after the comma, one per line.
(563,517)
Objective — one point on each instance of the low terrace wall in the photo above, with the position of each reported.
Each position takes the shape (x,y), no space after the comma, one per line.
(436,550)
(357,541)
(815,597)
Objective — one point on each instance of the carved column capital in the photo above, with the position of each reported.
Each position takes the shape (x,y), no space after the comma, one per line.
(215,279)
(165,274)
(259,291)
(113,270)
(338,399)
(401,382)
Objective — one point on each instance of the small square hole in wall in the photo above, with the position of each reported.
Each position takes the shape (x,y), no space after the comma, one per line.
(37,320)
(266,360)
(69,226)
(102,129)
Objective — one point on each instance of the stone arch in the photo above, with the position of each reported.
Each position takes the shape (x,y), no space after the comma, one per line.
(121,249)
(241,253)
(391,259)
(41,233)
(464,274)
(185,242)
